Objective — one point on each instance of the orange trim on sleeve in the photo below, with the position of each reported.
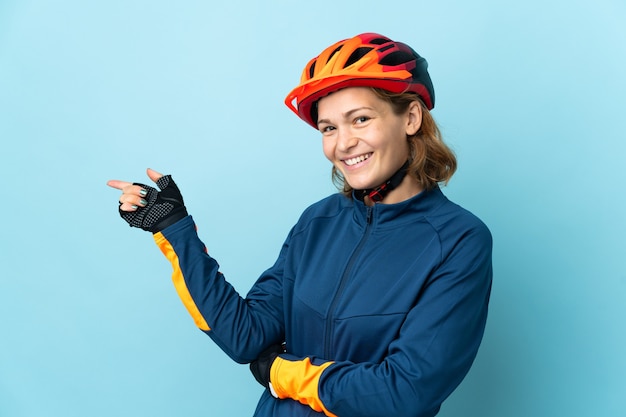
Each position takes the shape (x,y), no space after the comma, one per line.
(299,380)
(179,281)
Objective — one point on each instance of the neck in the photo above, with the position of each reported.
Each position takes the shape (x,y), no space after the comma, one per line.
(397,188)
(407,189)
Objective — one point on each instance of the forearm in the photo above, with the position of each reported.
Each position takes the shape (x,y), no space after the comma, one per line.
(344,389)
(239,328)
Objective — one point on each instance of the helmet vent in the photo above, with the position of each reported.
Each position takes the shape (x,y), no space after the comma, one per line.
(397,58)
(379,41)
(356,55)
(334,52)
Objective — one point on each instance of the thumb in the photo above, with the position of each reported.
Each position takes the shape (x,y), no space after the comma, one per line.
(153,175)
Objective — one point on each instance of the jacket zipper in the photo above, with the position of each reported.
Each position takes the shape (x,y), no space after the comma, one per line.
(343,282)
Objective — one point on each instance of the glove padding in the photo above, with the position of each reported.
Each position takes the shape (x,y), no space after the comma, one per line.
(164,207)
(260,368)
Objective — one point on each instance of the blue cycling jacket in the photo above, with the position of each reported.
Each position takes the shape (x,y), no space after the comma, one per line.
(382,308)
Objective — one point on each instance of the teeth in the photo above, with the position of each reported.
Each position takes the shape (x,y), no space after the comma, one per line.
(356,160)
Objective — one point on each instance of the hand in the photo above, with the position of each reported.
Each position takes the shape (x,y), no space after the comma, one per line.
(260,368)
(151,210)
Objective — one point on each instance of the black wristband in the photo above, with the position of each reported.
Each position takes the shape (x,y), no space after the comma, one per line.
(260,368)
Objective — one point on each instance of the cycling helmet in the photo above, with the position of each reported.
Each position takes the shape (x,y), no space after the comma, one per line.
(366,60)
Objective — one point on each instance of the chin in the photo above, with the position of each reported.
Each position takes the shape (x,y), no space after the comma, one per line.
(363,180)
(360,185)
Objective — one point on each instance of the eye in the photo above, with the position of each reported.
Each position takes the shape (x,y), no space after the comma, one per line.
(326,128)
(361,119)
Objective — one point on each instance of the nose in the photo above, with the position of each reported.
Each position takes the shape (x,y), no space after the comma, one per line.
(346,140)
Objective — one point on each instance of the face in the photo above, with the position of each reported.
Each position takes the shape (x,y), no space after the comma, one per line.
(363,138)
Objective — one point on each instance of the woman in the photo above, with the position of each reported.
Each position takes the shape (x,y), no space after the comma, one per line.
(377,302)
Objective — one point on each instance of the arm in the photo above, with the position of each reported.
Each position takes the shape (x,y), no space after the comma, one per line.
(424,364)
(242,328)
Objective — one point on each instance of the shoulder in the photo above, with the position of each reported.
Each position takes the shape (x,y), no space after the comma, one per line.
(330,207)
(455,223)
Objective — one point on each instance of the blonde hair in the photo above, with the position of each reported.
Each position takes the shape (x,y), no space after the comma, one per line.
(431,161)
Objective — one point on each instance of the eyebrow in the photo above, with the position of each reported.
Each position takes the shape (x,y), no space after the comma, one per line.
(346,115)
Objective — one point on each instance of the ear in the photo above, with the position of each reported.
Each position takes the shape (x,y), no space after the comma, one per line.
(414,121)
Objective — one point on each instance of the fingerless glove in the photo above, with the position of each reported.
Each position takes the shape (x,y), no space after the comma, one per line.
(164,207)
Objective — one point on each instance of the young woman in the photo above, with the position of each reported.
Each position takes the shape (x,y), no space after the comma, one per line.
(377,302)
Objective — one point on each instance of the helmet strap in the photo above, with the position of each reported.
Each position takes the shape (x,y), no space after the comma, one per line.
(379,193)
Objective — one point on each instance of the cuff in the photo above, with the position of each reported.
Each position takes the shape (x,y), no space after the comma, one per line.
(299,380)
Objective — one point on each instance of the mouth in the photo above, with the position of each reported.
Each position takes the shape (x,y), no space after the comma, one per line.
(353,161)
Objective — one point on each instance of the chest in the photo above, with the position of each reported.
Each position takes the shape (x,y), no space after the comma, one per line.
(350,290)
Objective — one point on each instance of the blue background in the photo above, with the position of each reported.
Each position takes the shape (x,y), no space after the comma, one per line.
(531,96)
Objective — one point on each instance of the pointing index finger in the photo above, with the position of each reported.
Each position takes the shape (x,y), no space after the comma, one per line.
(118,184)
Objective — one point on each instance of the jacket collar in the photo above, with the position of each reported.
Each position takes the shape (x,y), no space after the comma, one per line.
(392,215)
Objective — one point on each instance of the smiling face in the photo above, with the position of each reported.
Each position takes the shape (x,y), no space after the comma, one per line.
(366,141)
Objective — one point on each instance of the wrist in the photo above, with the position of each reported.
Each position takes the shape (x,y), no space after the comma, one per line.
(298,380)
(173,218)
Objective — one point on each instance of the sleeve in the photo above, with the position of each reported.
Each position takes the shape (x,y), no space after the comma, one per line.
(241,327)
(431,355)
